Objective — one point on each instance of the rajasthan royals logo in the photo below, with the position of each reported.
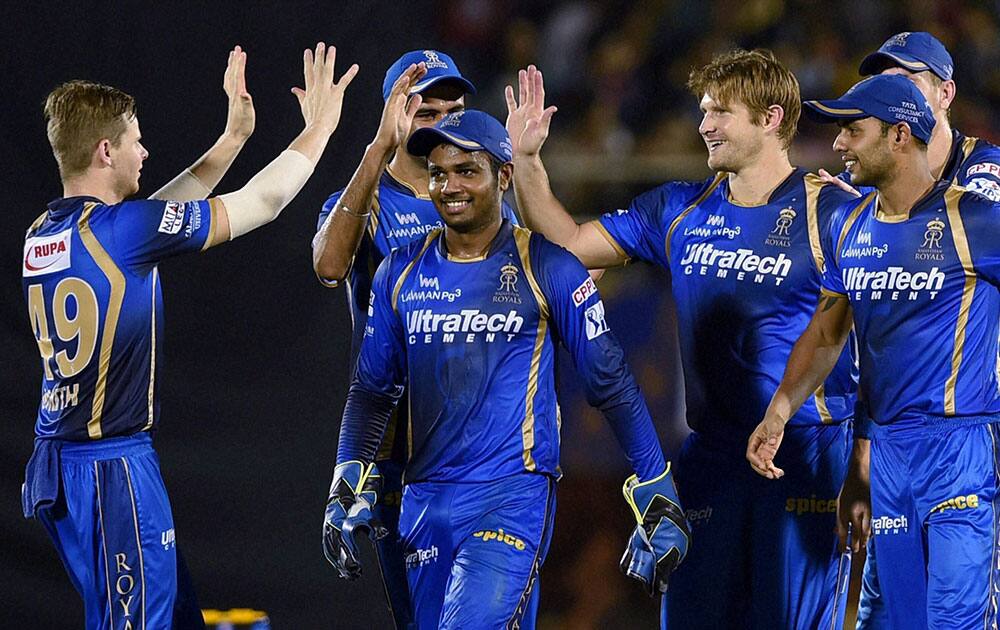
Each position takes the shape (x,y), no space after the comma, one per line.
(897,40)
(780,235)
(452,120)
(507,292)
(508,277)
(930,249)
(433,60)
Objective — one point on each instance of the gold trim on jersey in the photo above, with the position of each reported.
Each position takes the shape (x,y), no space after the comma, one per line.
(851,219)
(951,199)
(138,541)
(697,202)
(522,238)
(213,222)
(399,181)
(104,540)
(376,210)
(603,231)
(813,186)
(116,282)
(884,218)
(836,111)
(37,223)
(433,234)
(152,353)
(968,146)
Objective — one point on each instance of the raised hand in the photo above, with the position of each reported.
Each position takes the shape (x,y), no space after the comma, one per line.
(322,99)
(527,117)
(764,444)
(241,117)
(400,108)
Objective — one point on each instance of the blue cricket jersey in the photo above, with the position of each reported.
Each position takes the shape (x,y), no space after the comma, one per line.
(745,281)
(474,344)
(923,289)
(400,215)
(93,294)
(974,164)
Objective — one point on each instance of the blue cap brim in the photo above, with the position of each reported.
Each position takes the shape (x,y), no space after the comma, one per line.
(465,84)
(878,61)
(832,110)
(423,141)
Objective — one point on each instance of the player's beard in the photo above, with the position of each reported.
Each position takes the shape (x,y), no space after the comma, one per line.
(873,169)
(734,154)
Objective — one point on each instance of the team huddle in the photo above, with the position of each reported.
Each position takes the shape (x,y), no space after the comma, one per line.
(839,343)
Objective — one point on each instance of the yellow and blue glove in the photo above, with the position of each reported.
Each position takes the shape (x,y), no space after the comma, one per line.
(661,538)
(353,495)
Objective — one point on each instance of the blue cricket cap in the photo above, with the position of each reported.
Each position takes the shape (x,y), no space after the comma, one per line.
(440,67)
(891,98)
(469,130)
(916,52)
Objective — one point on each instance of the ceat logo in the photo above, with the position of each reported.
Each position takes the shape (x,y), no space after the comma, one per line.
(47,254)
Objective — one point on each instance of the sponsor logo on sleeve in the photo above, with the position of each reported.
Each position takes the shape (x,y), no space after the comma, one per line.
(173,218)
(47,254)
(584,291)
(984,168)
(985,187)
(596,326)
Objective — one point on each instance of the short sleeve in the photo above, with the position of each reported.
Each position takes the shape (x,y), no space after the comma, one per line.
(149,231)
(981,174)
(640,230)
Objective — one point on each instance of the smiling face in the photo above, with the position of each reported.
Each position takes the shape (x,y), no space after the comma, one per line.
(464,188)
(127,156)
(729,132)
(864,147)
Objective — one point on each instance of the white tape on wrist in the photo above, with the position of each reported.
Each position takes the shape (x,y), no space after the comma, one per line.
(267,193)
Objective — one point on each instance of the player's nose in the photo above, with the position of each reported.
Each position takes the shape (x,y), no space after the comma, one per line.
(839,144)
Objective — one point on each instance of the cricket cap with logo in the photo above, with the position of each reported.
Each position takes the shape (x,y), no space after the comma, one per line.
(917,51)
(469,130)
(890,98)
(440,68)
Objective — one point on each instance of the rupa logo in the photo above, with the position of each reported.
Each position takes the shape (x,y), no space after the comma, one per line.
(890,525)
(47,254)
(433,60)
(408,218)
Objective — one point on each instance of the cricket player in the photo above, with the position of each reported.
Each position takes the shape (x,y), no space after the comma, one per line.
(92,288)
(964,160)
(385,206)
(913,266)
(467,318)
(743,252)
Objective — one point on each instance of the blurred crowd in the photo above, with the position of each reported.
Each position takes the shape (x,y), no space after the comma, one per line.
(617,71)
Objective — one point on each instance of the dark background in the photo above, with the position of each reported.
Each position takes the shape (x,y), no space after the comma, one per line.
(254,376)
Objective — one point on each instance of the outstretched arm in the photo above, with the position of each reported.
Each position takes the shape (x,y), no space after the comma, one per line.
(270,190)
(338,238)
(528,126)
(200,179)
(812,359)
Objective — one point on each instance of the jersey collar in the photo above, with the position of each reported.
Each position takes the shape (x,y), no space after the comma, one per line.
(64,206)
(505,234)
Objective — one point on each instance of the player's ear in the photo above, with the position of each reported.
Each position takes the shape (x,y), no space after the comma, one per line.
(902,134)
(504,175)
(102,153)
(773,117)
(946,94)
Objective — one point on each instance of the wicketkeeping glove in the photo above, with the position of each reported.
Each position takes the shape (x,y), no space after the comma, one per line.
(660,540)
(353,495)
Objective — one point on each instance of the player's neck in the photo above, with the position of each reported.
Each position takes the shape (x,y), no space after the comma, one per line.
(753,184)
(939,148)
(85,186)
(471,245)
(907,185)
(409,170)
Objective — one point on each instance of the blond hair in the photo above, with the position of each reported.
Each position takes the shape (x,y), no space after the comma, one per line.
(79,115)
(756,79)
